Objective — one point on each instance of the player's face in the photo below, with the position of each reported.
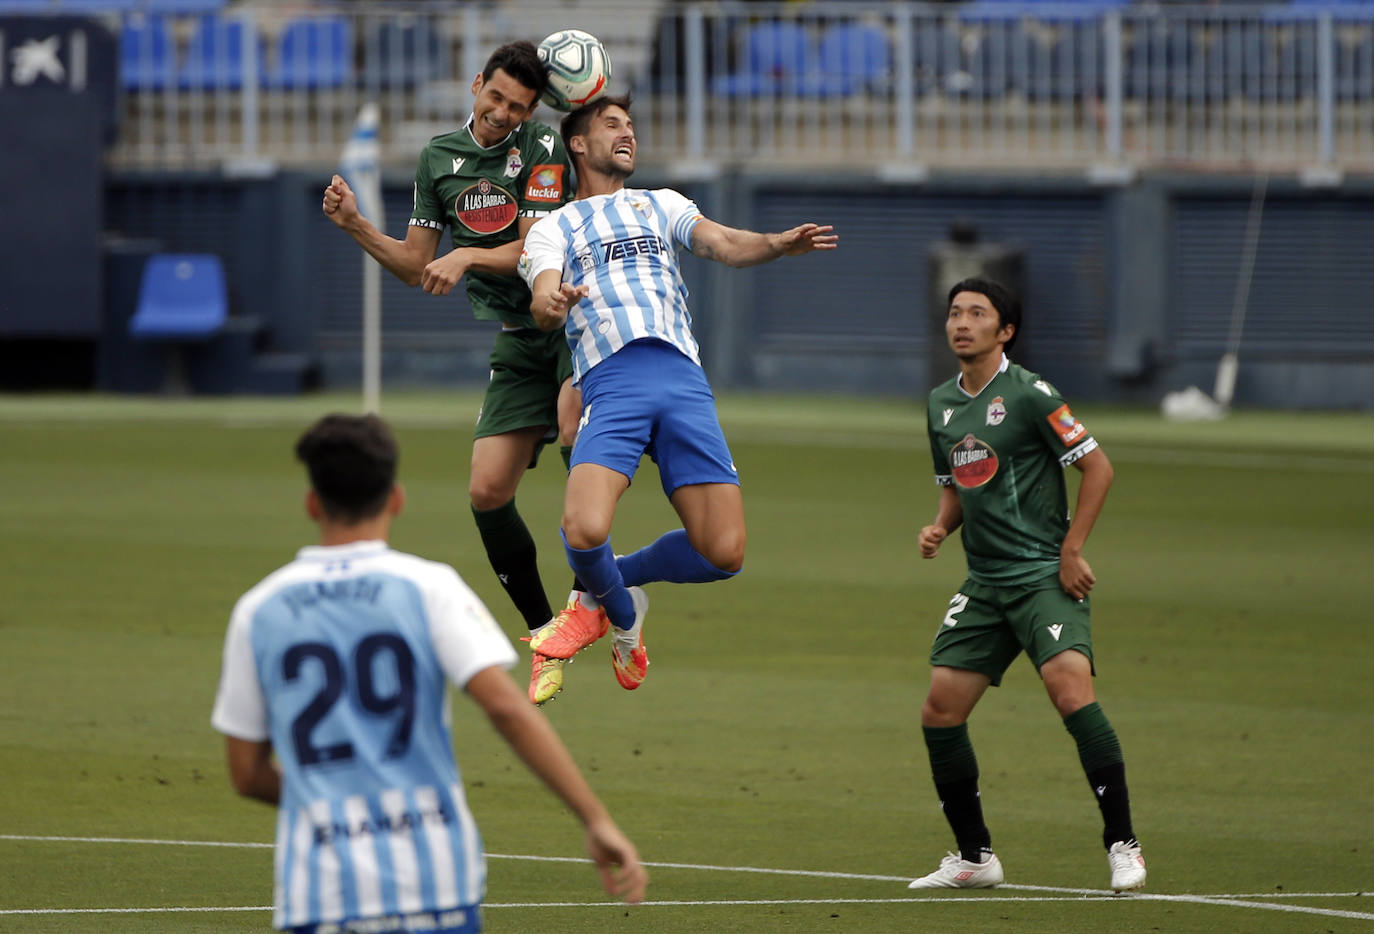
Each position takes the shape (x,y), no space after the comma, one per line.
(501,105)
(610,142)
(973,326)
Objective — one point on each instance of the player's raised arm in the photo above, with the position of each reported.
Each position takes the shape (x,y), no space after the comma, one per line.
(404,259)
(441,275)
(552,299)
(739,248)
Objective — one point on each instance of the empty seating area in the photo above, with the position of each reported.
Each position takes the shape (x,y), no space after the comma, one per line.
(1052,82)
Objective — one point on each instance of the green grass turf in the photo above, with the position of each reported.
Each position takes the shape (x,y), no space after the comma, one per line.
(779,726)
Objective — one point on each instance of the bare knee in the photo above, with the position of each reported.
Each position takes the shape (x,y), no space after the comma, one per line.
(487,494)
(937,711)
(1068,681)
(726,552)
(723,548)
(582,532)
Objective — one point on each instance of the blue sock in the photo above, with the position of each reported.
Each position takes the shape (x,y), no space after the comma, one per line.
(596,568)
(672,558)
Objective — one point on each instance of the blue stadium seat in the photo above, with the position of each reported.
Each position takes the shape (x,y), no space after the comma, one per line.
(938,58)
(215,56)
(182,297)
(145,53)
(779,58)
(314,52)
(185,6)
(853,58)
(401,54)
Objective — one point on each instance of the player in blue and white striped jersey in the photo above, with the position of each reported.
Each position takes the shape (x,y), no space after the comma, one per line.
(605,267)
(337,664)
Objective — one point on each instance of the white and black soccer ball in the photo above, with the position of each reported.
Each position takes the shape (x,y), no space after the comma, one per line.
(579,68)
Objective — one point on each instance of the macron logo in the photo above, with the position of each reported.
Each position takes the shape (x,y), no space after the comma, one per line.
(1101,790)
(1055,630)
(547,142)
(458,164)
(948,413)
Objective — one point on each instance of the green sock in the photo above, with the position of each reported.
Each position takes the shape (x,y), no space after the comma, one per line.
(511,551)
(955,770)
(1100,753)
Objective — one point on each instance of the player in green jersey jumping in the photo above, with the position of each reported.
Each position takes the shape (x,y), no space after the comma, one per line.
(1000,437)
(488,182)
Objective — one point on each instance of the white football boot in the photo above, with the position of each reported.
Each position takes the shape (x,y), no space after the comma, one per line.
(955,872)
(1128,866)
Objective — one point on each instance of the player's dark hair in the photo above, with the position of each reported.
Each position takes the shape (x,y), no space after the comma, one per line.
(580,120)
(520,60)
(1003,300)
(352,461)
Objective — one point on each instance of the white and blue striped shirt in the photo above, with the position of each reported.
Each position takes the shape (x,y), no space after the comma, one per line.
(623,247)
(341,659)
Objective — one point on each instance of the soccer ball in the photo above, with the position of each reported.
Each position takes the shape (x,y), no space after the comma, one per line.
(579,68)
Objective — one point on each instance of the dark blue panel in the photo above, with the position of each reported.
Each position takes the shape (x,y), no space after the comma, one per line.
(1311,285)
(874,286)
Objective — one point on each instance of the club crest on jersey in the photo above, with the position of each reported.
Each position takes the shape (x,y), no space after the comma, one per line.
(643,206)
(485,208)
(513,162)
(972,462)
(997,410)
(1069,429)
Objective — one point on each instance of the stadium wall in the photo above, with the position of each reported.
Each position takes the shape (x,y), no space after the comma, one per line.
(1129,286)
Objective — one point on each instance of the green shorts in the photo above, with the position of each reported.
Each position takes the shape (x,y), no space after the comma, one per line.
(988,626)
(528,367)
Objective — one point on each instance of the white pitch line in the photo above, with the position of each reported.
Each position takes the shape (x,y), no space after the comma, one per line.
(125,911)
(32,839)
(1221,899)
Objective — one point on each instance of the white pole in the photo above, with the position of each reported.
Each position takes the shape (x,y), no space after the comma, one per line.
(372,336)
(1225,389)
(360,168)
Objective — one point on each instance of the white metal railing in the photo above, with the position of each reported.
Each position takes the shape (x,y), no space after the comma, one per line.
(898,87)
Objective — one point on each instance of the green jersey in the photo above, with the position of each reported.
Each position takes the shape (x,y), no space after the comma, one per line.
(1004,451)
(479,193)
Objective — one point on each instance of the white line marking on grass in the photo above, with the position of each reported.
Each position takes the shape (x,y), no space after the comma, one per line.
(811,873)
(1058,893)
(253,846)
(124,911)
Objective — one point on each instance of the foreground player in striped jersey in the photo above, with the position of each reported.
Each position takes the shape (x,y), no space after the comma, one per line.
(1000,438)
(337,664)
(605,268)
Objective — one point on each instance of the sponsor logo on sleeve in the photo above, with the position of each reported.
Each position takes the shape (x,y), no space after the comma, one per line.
(1069,429)
(546,184)
(972,462)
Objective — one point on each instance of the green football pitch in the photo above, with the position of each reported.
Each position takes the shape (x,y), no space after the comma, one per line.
(771,769)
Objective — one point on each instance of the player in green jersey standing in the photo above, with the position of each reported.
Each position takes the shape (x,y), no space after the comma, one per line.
(488,182)
(1000,437)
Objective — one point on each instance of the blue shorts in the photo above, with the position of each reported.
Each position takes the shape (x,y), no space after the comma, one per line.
(648,398)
